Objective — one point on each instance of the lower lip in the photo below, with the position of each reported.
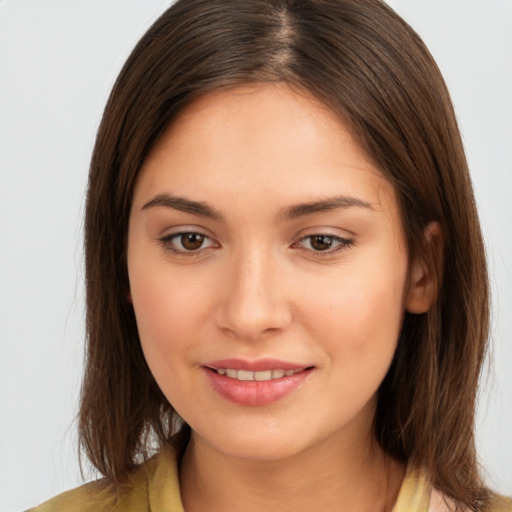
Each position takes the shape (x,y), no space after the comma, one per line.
(250,392)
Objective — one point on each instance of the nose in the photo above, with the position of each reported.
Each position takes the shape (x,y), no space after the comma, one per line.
(253,302)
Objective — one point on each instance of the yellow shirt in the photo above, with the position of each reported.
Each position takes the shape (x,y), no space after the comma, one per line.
(155,488)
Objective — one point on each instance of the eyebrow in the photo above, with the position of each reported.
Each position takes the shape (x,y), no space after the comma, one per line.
(185,205)
(326,205)
(202,209)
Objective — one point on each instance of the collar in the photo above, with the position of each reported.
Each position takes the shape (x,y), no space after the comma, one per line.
(164,488)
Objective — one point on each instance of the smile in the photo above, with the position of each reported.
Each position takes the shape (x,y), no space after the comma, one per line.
(256,383)
(260,376)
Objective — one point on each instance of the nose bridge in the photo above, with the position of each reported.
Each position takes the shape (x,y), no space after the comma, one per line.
(253,302)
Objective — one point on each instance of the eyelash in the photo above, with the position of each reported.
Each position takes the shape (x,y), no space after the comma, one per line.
(167,242)
(342,243)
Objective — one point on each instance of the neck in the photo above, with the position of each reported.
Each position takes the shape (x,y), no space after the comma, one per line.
(356,477)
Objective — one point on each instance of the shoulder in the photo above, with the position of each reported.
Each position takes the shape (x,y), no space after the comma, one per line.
(100,496)
(440,503)
(417,494)
(500,504)
(95,496)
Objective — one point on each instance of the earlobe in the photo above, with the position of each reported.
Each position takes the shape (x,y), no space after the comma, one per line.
(424,276)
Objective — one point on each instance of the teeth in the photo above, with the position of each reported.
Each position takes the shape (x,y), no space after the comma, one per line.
(261,376)
(245,375)
(266,375)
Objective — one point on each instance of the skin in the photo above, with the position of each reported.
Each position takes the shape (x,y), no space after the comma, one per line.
(258,288)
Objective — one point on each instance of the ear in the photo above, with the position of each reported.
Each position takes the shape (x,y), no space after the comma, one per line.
(423,279)
(129,297)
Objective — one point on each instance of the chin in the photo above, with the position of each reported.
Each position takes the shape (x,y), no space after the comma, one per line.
(261,442)
(261,450)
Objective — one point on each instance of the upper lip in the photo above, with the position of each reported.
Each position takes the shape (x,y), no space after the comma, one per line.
(257,365)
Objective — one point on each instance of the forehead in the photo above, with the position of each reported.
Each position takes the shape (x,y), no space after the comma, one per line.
(261,139)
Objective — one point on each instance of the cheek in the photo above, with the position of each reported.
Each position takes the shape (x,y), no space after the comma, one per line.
(362,311)
(358,326)
(170,309)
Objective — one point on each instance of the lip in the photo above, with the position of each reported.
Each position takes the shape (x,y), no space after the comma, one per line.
(254,366)
(255,393)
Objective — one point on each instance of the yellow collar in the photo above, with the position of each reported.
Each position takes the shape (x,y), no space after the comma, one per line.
(164,490)
(414,494)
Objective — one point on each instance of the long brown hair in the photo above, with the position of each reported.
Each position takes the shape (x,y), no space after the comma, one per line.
(366,64)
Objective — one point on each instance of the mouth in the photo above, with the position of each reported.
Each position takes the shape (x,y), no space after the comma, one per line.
(259,376)
(256,383)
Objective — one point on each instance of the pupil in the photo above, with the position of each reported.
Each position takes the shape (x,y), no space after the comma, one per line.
(192,241)
(321,242)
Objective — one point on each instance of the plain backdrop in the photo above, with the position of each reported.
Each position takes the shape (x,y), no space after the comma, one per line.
(58,61)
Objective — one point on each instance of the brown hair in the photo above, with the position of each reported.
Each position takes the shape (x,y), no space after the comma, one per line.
(369,66)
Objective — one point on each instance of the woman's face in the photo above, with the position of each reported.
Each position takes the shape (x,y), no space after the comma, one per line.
(268,273)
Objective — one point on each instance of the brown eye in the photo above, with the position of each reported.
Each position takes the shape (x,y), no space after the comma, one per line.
(192,241)
(321,242)
(187,243)
(324,243)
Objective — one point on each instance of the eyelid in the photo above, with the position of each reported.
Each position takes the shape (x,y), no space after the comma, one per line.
(339,242)
(166,241)
(342,243)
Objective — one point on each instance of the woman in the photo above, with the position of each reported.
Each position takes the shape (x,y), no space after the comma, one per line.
(286,285)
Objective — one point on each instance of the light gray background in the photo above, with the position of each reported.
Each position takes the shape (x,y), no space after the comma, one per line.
(58,61)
